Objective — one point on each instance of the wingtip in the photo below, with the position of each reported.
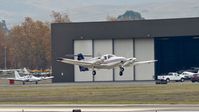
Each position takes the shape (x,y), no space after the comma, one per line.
(59,59)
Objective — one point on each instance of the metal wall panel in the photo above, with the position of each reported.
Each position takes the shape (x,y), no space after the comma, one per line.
(102,47)
(84,47)
(124,47)
(144,50)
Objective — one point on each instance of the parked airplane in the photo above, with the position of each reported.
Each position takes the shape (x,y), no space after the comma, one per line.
(28,78)
(43,77)
(107,61)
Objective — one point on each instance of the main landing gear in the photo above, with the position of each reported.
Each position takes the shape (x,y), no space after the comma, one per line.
(94,72)
(121,71)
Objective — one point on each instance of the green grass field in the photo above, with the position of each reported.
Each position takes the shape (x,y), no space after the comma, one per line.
(101,94)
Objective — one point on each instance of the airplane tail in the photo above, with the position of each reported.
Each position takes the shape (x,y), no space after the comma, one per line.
(26,71)
(80,56)
(17,76)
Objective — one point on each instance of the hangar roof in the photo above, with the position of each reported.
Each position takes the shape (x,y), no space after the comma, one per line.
(130,29)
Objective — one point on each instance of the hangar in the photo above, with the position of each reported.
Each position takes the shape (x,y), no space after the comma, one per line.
(173,42)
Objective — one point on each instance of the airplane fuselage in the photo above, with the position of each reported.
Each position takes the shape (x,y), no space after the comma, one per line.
(109,63)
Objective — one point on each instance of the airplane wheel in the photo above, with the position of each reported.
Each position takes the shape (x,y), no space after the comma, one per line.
(168,80)
(121,69)
(121,73)
(94,72)
(36,82)
(23,83)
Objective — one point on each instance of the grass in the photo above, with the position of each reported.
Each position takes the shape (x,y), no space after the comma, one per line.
(101,94)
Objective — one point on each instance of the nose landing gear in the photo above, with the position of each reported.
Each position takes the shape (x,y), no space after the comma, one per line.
(94,72)
(121,71)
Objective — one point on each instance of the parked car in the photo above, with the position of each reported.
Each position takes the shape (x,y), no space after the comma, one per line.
(195,78)
(172,76)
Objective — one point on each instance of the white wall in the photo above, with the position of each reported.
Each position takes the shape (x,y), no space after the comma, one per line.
(124,47)
(144,50)
(102,47)
(85,47)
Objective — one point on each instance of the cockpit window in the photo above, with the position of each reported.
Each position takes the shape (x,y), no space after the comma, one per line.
(109,56)
(105,58)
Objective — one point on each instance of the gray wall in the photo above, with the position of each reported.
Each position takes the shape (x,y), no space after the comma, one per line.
(63,35)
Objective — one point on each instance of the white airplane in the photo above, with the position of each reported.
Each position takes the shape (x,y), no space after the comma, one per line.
(28,78)
(107,61)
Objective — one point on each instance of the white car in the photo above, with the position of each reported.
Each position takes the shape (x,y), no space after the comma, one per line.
(172,76)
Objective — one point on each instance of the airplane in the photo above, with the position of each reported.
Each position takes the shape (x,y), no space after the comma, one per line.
(108,61)
(28,78)
(26,72)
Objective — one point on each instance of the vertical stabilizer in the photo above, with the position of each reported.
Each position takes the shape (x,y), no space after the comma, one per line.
(80,56)
(17,76)
(25,71)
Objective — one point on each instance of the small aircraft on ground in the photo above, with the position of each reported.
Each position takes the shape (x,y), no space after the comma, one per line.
(108,61)
(28,77)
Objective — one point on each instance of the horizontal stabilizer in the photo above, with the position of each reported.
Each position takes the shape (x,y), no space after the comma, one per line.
(83,69)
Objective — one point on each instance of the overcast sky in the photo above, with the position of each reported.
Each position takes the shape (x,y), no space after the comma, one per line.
(14,11)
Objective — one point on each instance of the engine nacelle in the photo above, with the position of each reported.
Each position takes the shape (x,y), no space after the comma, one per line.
(129,62)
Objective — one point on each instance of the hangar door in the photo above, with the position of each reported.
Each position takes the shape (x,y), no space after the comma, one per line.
(84,47)
(176,53)
(95,48)
(102,47)
(124,47)
(144,50)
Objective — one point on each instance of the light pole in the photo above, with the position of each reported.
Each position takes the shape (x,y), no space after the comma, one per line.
(5,58)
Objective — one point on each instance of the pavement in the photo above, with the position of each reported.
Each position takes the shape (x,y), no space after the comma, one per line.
(100,108)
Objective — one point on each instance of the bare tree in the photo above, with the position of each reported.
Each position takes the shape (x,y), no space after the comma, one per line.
(111,18)
(60,18)
(2,45)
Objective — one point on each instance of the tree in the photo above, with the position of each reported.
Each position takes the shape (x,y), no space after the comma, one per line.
(2,46)
(30,45)
(111,18)
(59,17)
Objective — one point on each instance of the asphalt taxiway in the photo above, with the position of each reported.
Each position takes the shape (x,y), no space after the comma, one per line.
(101,108)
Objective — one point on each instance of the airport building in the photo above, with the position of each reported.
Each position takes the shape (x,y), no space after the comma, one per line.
(173,42)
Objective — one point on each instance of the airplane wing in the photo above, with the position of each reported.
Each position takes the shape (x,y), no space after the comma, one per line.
(144,62)
(45,78)
(6,70)
(15,79)
(78,62)
(9,78)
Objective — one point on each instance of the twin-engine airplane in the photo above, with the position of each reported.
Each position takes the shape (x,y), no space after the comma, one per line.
(107,61)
